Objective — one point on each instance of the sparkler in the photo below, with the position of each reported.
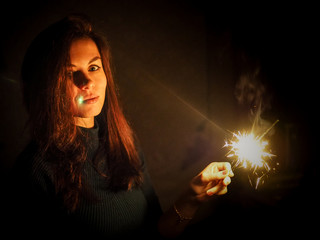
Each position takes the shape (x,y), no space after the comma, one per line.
(249,151)
(247,148)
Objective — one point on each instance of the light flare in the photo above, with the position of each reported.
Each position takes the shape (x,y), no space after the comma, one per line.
(80,100)
(249,151)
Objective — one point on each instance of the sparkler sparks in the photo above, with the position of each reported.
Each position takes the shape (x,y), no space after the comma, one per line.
(249,151)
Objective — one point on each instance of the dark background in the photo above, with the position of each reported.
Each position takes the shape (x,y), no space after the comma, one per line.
(177,64)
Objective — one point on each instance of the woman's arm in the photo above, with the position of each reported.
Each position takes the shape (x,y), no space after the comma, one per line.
(213,180)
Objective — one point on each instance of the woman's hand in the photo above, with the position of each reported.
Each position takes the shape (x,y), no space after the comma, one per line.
(213,180)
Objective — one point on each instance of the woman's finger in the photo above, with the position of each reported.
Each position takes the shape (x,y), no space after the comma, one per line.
(209,176)
(220,166)
(225,166)
(219,189)
(216,171)
(226,181)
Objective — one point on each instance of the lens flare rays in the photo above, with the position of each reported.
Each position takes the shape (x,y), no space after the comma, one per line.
(250,151)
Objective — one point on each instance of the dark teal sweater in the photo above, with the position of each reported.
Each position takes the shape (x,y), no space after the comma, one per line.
(103,213)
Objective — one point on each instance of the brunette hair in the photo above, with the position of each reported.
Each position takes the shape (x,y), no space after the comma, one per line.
(44,81)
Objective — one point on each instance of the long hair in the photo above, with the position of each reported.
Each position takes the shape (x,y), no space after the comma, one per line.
(45,92)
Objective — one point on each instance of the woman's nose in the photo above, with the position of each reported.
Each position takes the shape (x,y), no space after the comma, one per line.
(82,81)
(88,84)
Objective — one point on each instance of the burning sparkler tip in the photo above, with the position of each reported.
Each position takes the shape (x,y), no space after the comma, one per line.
(249,151)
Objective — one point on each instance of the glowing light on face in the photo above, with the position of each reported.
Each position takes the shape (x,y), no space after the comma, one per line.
(80,100)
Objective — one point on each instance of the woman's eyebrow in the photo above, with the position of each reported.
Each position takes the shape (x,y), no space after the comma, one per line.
(91,61)
(94,59)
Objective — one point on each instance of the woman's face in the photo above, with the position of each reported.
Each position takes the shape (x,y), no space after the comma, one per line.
(87,81)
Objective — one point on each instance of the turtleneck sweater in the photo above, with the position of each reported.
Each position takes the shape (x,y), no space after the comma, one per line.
(104,213)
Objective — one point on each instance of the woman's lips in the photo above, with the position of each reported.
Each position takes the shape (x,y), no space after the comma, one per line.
(91,100)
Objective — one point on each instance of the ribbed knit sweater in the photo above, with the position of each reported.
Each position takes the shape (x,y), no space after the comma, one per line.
(39,211)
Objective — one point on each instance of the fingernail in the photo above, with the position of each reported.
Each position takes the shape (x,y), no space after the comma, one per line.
(227,181)
(209,193)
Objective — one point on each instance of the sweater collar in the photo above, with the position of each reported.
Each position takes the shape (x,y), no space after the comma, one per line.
(91,138)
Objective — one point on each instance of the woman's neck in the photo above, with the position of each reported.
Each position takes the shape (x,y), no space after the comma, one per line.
(84,122)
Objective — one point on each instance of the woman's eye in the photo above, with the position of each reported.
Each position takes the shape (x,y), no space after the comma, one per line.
(94,68)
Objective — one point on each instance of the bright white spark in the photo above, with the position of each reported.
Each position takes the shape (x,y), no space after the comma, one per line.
(249,151)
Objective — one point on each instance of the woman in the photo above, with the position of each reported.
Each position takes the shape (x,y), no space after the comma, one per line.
(82,173)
